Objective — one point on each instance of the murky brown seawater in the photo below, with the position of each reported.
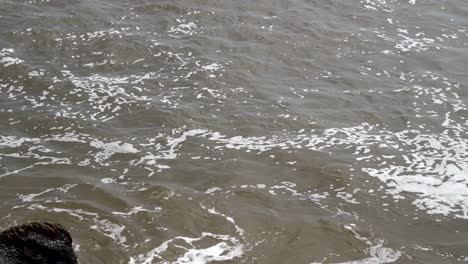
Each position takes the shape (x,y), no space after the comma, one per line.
(238,131)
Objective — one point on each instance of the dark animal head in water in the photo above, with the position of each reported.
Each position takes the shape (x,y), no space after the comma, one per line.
(36,243)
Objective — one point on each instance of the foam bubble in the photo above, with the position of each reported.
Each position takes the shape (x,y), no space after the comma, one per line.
(7,58)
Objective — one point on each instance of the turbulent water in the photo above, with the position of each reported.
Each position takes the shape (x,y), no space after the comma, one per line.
(268,131)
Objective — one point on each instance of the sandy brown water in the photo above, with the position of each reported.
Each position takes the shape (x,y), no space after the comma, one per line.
(241,131)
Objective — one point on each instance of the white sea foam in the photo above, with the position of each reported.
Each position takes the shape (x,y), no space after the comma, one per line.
(377,5)
(111,230)
(220,247)
(434,167)
(213,67)
(378,255)
(106,95)
(12,142)
(37,149)
(32,196)
(138,209)
(213,211)
(226,248)
(212,190)
(377,252)
(108,180)
(109,149)
(184,27)
(7,58)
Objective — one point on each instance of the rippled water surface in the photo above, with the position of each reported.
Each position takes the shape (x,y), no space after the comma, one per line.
(267,131)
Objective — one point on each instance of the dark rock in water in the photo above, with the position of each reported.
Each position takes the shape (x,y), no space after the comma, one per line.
(36,243)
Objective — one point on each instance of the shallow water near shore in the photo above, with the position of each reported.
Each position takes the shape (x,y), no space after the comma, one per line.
(238,131)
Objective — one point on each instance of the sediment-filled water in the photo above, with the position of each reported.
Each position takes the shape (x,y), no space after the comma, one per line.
(264,131)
